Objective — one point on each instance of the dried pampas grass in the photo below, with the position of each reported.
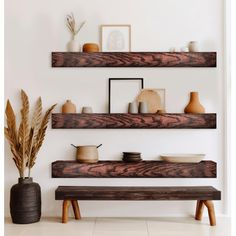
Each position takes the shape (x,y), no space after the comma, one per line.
(72,26)
(28,139)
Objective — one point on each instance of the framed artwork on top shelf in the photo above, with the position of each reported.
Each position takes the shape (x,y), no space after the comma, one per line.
(115,38)
(121,91)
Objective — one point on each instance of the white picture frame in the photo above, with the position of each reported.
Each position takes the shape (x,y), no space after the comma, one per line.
(115,38)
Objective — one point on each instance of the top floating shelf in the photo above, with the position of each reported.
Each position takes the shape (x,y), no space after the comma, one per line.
(134,59)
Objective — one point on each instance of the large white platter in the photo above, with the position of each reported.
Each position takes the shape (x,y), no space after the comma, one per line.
(183,158)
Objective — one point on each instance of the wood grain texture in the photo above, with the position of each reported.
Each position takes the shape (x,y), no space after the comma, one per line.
(134,121)
(143,169)
(134,59)
(137,193)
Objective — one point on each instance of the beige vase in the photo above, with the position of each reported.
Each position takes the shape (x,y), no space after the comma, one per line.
(69,107)
(194,106)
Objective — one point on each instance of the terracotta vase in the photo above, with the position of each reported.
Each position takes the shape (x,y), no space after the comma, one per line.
(90,47)
(194,106)
(69,107)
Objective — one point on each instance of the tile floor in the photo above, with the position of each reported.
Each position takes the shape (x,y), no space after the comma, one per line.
(120,227)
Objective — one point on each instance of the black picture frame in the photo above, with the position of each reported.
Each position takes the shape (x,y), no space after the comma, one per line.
(115,79)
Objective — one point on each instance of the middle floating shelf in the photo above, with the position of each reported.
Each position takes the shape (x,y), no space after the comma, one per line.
(133,121)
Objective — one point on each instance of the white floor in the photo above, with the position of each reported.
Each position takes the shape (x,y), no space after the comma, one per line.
(121,227)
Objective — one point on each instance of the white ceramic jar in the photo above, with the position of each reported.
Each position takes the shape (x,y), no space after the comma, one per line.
(193,46)
(73,46)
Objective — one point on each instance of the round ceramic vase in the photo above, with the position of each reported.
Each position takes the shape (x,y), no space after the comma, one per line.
(73,46)
(194,105)
(87,110)
(193,46)
(68,107)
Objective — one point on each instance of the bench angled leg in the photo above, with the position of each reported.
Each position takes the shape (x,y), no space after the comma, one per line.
(76,210)
(211,212)
(199,210)
(65,207)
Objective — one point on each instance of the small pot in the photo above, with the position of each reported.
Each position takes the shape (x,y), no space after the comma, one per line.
(87,154)
(90,47)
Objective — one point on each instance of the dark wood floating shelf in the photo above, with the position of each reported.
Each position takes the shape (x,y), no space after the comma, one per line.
(133,121)
(143,169)
(134,59)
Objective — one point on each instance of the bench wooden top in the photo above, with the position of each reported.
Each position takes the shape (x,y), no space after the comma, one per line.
(137,193)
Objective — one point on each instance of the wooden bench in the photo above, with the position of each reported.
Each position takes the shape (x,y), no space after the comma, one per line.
(203,194)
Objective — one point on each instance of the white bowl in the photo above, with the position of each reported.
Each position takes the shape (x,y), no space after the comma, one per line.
(184,158)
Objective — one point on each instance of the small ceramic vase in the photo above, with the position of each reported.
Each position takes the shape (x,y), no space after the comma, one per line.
(193,46)
(172,49)
(73,46)
(133,108)
(68,107)
(87,110)
(90,47)
(143,107)
(194,106)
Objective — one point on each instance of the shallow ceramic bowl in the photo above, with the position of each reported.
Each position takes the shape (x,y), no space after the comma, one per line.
(183,158)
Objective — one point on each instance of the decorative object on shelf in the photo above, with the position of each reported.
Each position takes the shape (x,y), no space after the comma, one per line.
(133,108)
(131,157)
(184,49)
(130,87)
(116,38)
(172,49)
(87,110)
(90,47)
(155,99)
(143,107)
(183,158)
(87,154)
(134,59)
(134,121)
(194,105)
(68,107)
(25,142)
(73,45)
(193,46)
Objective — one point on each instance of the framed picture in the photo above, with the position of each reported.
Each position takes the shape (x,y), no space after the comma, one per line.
(154,97)
(115,38)
(121,92)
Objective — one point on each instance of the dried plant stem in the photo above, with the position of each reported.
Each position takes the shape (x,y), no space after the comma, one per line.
(26,143)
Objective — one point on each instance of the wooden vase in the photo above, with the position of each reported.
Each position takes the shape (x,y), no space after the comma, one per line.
(25,201)
(194,105)
(69,107)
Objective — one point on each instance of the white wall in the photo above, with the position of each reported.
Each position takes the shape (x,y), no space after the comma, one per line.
(36,28)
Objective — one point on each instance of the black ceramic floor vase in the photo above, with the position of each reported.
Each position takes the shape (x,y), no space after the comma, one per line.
(25,201)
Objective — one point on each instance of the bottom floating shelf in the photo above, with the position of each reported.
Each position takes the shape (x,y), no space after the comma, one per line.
(143,169)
